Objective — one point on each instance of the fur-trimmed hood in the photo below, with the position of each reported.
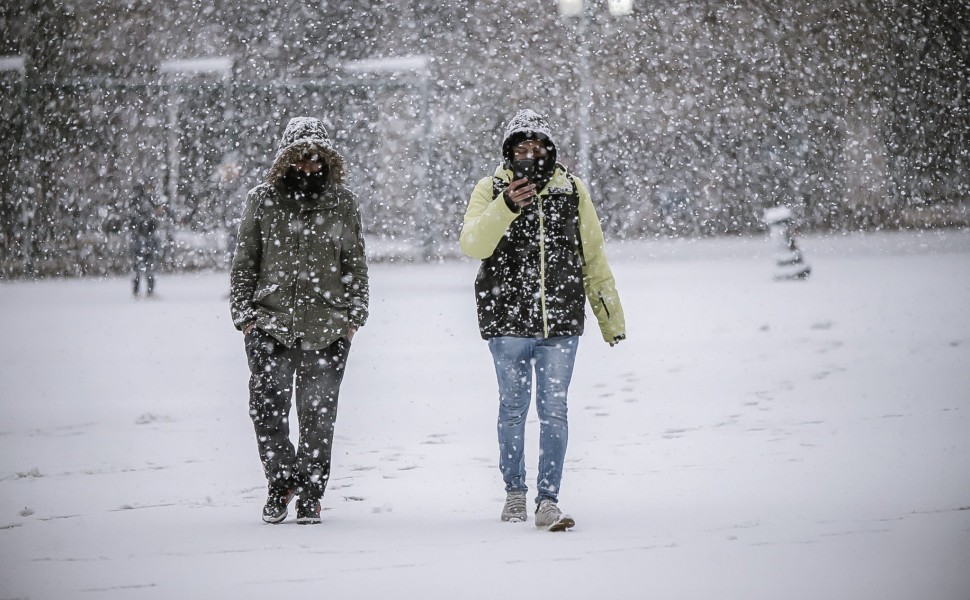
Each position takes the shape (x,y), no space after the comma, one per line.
(302,135)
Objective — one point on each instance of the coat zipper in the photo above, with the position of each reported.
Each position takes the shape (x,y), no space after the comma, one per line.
(603,302)
(542,270)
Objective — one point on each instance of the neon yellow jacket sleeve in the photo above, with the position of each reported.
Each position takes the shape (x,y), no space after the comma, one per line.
(597,277)
(486,221)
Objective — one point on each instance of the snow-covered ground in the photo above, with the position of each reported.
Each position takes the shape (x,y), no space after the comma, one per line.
(752,439)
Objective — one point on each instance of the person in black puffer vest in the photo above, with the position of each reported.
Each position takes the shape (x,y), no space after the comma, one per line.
(534,227)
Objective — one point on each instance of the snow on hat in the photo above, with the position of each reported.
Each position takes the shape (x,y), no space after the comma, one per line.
(526,124)
(302,135)
(304,130)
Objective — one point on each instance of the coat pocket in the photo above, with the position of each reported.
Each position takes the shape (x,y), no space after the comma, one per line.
(266,290)
(323,297)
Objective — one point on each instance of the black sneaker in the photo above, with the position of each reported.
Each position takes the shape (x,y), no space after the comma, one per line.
(276,501)
(307,511)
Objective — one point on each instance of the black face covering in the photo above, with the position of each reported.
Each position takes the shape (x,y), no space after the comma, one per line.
(537,170)
(306,186)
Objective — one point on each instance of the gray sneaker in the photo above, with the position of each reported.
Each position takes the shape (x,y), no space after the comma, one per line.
(548,516)
(514,509)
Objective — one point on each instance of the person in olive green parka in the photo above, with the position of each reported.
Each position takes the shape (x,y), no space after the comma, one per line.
(299,293)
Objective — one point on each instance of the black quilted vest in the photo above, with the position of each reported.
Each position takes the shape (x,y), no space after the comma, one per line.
(532,284)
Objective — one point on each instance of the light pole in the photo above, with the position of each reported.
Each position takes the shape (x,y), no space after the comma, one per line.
(420,66)
(579,9)
(220,65)
(18,63)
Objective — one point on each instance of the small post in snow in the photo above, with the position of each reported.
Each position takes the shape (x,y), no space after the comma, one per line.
(789,262)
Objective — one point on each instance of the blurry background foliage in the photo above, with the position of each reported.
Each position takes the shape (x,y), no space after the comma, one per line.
(855,113)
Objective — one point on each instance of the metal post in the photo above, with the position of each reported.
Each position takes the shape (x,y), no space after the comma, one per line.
(173,148)
(27,164)
(425,214)
(585,98)
(178,69)
(581,10)
(420,66)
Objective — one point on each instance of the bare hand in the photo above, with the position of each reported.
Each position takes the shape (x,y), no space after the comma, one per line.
(521,193)
(350,334)
(249,327)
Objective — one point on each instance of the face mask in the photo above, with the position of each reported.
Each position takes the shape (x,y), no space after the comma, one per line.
(307,183)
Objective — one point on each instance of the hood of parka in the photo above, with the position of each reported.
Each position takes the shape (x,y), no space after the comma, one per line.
(305,135)
(527,124)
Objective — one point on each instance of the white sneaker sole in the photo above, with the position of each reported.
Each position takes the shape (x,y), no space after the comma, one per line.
(282,517)
(274,520)
(561,524)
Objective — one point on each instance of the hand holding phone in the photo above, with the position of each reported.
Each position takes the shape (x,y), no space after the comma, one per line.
(520,192)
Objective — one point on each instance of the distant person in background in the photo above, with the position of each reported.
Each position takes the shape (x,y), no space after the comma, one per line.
(534,226)
(232,218)
(143,216)
(299,293)
(234,187)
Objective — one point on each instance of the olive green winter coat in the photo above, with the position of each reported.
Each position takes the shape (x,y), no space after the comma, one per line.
(299,271)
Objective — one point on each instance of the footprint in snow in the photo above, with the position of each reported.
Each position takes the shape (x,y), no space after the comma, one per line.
(671,434)
(148,418)
(436,438)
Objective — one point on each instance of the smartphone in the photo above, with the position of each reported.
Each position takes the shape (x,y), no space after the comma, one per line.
(523,169)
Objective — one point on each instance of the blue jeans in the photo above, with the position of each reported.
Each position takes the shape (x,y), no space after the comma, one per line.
(552,360)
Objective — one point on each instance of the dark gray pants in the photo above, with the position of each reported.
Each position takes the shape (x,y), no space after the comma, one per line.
(275,371)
